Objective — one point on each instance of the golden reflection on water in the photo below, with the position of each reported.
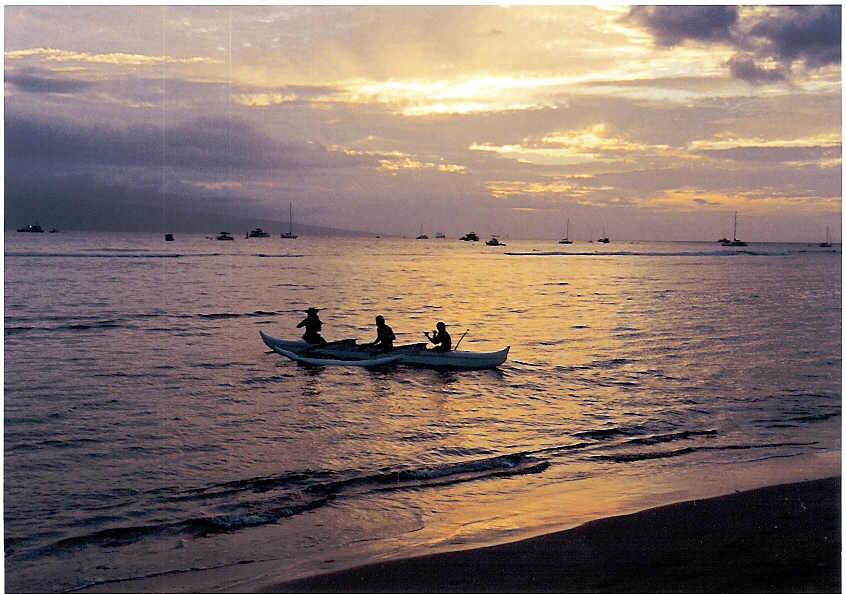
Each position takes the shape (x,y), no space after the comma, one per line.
(566,315)
(466,293)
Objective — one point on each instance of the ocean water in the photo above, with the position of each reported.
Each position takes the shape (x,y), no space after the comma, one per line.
(152,442)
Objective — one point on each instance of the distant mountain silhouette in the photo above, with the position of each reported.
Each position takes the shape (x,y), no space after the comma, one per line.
(92,208)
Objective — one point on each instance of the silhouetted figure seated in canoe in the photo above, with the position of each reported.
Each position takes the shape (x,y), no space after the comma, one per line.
(441,338)
(312,325)
(384,335)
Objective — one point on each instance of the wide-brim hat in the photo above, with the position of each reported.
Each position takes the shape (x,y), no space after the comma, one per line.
(312,309)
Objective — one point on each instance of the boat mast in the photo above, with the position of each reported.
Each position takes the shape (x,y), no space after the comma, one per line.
(291,217)
(734,237)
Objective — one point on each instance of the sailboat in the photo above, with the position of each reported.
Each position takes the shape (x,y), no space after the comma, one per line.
(604,238)
(422,235)
(827,242)
(735,241)
(290,233)
(566,238)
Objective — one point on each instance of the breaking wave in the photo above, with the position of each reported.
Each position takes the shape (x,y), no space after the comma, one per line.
(257,501)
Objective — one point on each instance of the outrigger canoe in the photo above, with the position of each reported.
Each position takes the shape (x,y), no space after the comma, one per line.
(347,352)
(371,362)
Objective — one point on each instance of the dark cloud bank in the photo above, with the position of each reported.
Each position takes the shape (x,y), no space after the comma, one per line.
(779,38)
(201,144)
(32,81)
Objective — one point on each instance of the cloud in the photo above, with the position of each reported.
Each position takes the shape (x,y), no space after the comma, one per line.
(115,58)
(809,33)
(768,40)
(745,68)
(252,97)
(672,25)
(201,144)
(32,81)
(816,154)
(505,100)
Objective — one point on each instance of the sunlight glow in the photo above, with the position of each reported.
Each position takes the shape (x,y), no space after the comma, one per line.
(723,142)
(760,201)
(396,160)
(595,142)
(482,94)
(263,99)
(504,189)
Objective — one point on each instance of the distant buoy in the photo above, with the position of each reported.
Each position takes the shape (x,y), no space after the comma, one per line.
(168,236)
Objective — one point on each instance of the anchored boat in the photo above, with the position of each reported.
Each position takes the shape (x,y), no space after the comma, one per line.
(566,238)
(734,242)
(348,352)
(289,234)
(827,242)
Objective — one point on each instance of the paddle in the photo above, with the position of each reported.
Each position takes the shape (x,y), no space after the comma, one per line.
(460,339)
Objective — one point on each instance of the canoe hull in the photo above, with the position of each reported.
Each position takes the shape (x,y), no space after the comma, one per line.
(419,355)
(412,354)
(371,362)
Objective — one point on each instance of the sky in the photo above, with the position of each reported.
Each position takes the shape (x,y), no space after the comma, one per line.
(643,123)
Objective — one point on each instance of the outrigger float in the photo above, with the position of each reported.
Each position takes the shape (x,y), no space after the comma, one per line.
(347,352)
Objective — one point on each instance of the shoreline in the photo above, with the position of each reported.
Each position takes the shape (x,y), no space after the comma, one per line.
(783,538)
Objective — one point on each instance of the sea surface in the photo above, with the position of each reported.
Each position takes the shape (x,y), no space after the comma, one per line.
(151,440)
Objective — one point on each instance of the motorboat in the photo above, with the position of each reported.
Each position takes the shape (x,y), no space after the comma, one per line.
(258,232)
(31,229)
(224,236)
(494,241)
(470,237)
(604,237)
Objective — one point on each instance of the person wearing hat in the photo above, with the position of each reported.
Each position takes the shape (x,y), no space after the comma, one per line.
(384,335)
(312,325)
(441,338)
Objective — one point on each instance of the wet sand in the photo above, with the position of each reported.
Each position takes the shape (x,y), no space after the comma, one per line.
(784,538)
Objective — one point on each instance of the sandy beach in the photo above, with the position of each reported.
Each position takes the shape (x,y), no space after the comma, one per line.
(784,538)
